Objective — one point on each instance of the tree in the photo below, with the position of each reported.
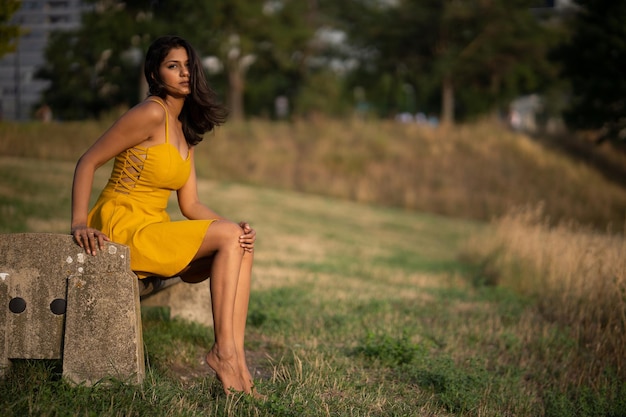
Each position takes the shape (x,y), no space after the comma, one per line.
(593,60)
(392,44)
(93,75)
(8,32)
(273,36)
(98,66)
(501,55)
(484,49)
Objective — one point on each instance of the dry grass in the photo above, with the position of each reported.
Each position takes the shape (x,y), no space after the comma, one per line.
(59,141)
(476,171)
(578,278)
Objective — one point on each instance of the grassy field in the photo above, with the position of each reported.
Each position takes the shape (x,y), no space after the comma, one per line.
(366,310)
(477,171)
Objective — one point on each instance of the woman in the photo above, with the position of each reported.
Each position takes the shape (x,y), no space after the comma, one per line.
(153,146)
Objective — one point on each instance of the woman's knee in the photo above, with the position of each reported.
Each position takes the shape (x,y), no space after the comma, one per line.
(226,232)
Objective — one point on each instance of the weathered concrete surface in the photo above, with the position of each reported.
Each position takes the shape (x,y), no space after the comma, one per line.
(187,301)
(4,320)
(103,328)
(58,302)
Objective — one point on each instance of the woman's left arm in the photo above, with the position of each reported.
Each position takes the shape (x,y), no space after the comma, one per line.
(188,199)
(193,209)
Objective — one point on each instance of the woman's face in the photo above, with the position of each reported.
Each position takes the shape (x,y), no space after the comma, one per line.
(174,72)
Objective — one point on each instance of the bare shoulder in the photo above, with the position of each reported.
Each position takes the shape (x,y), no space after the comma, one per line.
(141,124)
(148,113)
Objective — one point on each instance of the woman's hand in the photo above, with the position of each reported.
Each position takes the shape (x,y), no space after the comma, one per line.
(89,238)
(247,239)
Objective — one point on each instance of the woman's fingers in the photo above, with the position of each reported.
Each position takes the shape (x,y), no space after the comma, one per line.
(89,239)
(248,238)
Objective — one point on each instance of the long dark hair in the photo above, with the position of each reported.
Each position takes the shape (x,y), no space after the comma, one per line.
(202,110)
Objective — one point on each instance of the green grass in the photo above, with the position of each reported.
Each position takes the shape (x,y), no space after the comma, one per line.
(356,310)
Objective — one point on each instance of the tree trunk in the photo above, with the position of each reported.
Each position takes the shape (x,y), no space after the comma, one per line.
(236,85)
(447,101)
(494,90)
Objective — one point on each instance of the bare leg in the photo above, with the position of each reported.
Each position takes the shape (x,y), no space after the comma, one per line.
(197,273)
(222,239)
(241,313)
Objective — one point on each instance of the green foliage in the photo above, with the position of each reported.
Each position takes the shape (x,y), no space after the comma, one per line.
(398,55)
(458,59)
(458,389)
(269,309)
(321,94)
(390,351)
(33,388)
(8,32)
(98,66)
(584,402)
(160,332)
(485,52)
(594,60)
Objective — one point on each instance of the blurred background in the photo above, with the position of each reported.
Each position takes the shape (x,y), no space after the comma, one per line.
(539,65)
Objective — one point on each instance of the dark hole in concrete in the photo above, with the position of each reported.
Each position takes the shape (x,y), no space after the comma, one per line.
(17,305)
(57,306)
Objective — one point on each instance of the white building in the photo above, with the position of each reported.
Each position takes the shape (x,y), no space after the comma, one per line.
(19,90)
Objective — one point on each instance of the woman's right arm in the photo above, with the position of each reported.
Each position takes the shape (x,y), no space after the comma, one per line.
(132,129)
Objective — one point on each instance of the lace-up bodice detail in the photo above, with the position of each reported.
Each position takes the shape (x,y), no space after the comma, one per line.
(133,161)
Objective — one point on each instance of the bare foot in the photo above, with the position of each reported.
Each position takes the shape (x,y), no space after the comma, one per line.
(246,377)
(226,370)
(249,383)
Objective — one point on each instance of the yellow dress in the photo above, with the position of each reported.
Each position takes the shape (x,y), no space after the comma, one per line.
(131,209)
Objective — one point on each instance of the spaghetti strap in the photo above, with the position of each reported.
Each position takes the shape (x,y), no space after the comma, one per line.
(167,130)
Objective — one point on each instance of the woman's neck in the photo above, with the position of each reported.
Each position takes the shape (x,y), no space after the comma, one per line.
(174,105)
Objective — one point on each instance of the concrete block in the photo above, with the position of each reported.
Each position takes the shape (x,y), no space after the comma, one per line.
(103,329)
(187,301)
(31,285)
(59,303)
